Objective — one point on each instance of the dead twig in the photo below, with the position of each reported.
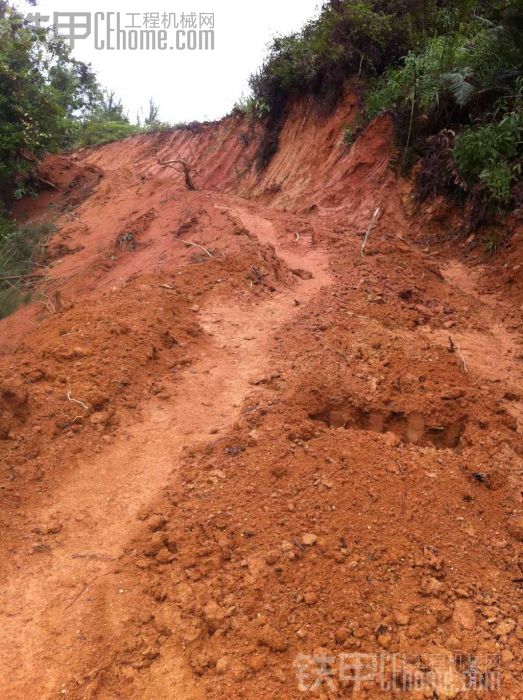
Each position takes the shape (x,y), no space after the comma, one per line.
(21,277)
(372,223)
(197,245)
(85,588)
(454,347)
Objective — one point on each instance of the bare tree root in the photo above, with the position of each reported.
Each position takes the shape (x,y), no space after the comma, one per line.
(189,184)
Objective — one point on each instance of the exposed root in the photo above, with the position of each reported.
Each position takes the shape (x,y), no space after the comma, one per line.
(189,184)
(81,403)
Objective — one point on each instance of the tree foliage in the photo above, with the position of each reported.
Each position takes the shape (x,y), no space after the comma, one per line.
(42,90)
(453,68)
(49,101)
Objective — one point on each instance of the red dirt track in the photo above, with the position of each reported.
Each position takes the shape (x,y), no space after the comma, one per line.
(231,442)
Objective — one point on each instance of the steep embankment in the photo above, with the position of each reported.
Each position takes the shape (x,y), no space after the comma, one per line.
(230,439)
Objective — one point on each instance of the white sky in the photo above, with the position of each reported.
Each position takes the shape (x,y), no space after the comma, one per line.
(187,85)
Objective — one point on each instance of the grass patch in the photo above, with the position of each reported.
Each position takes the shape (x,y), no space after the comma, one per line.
(22,248)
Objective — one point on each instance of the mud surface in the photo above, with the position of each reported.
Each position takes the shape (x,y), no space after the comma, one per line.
(231,444)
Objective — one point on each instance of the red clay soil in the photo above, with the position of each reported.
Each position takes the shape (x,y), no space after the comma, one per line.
(240,459)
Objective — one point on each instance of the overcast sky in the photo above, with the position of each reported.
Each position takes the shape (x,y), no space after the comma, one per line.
(187,85)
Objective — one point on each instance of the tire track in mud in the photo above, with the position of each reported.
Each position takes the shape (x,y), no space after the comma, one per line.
(44,604)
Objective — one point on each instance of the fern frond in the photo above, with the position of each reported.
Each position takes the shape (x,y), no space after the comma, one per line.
(462,90)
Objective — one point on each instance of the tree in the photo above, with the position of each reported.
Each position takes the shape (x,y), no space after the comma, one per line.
(42,91)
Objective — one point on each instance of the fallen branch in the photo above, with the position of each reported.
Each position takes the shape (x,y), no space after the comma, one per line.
(36,175)
(197,245)
(186,171)
(373,222)
(43,181)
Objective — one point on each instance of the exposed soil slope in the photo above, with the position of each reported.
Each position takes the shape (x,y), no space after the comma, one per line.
(229,438)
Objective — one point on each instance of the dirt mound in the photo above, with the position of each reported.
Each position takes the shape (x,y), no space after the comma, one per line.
(243,456)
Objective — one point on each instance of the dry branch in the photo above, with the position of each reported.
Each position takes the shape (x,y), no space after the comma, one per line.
(186,171)
(197,245)
(21,277)
(43,181)
(454,347)
(373,222)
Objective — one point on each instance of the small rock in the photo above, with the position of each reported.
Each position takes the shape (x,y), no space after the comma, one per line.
(391,439)
(341,634)
(271,558)
(52,527)
(258,662)
(309,539)
(164,556)
(156,522)
(431,586)
(214,614)
(154,545)
(302,274)
(463,615)
(402,618)
(384,640)
(273,639)
(222,665)
(504,627)
(310,597)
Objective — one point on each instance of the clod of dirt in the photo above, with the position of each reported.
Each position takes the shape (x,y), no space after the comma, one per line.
(515,527)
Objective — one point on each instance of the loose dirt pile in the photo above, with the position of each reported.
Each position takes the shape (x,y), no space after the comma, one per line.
(242,459)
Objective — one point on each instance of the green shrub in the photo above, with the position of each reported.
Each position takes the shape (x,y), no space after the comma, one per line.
(487,153)
(251,107)
(463,84)
(349,38)
(94,133)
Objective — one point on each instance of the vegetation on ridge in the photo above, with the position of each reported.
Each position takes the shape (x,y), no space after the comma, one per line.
(450,73)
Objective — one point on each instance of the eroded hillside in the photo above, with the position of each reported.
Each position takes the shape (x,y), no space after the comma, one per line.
(232,439)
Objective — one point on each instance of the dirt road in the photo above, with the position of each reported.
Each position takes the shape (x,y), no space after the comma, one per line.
(236,441)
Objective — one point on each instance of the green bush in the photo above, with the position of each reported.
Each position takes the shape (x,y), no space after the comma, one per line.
(251,107)
(486,153)
(349,38)
(94,133)
(464,85)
